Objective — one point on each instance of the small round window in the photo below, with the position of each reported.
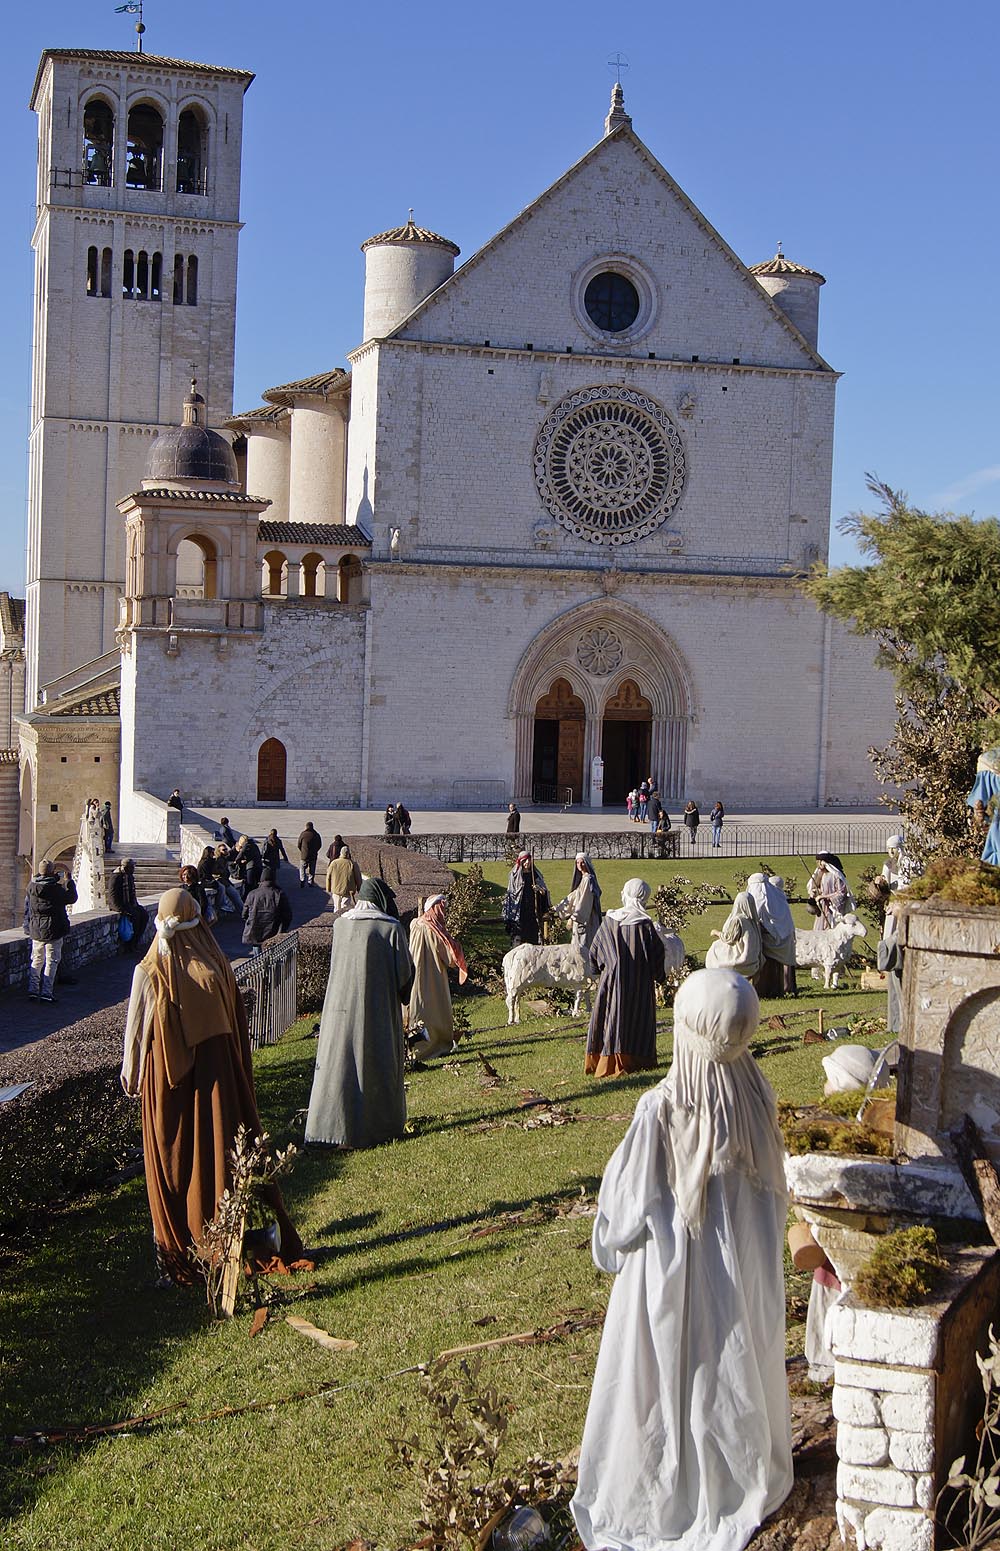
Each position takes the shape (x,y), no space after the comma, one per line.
(612,302)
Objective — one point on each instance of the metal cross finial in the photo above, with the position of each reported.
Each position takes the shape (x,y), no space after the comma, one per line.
(618,64)
(778,254)
(411,215)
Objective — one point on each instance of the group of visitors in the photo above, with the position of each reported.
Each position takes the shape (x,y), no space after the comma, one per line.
(398,823)
(693,1198)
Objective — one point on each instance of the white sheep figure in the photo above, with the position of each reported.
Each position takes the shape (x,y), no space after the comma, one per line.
(831,951)
(549,964)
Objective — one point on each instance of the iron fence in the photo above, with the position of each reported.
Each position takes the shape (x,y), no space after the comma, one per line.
(636,843)
(269,983)
(478,794)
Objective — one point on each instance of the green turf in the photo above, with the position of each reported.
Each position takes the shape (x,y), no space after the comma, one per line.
(406,1272)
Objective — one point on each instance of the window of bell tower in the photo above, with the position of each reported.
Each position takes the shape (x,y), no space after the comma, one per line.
(144,148)
(192,153)
(98,143)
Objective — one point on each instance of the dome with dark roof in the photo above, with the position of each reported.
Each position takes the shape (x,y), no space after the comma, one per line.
(191,451)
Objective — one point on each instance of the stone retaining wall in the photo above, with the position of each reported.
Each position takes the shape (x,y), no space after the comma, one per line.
(93,935)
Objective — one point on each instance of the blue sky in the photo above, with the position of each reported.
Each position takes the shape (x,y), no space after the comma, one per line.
(864,135)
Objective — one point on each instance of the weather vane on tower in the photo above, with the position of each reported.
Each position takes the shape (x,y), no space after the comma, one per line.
(133,9)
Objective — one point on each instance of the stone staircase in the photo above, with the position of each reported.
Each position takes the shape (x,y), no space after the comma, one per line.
(155,867)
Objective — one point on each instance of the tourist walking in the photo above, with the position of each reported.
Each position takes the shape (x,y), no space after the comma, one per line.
(630,802)
(627,953)
(526,902)
(715,818)
(248,864)
(428,1018)
(343,880)
(125,901)
(582,905)
(107,827)
(187,1056)
(333,849)
(46,922)
(687,1441)
(309,844)
(273,852)
(513,819)
(267,912)
(358,1098)
(404,823)
(390,821)
(642,799)
(738,945)
(692,818)
(655,811)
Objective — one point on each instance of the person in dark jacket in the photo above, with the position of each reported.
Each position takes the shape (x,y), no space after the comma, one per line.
(513,819)
(107,827)
(309,844)
(49,893)
(125,900)
(654,808)
(266,913)
(272,851)
(191,881)
(248,864)
(228,835)
(175,800)
(403,820)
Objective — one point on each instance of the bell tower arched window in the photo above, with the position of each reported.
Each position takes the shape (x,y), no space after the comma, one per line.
(144,148)
(192,153)
(98,143)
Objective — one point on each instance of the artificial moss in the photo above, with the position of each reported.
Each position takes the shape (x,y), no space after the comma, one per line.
(821,1130)
(903,1268)
(958,880)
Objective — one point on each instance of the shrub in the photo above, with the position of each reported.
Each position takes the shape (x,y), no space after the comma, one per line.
(903,1268)
(313,972)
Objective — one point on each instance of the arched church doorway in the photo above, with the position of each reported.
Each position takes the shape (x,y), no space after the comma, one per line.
(272,764)
(626,738)
(557,761)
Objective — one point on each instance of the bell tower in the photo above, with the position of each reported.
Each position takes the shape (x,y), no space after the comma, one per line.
(135,242)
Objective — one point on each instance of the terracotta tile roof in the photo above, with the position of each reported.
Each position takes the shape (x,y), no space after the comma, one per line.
(120,56)
(311,533)
(217,497)
(95,702)
(11,614)
(321,386)
(266,413)
(411,233)
(780,265)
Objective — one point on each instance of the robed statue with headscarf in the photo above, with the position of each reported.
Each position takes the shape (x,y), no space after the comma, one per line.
(582,904)
(629,955)
(358,1098)
(434,952)
(526,902)
(187,1055)
(687,1441)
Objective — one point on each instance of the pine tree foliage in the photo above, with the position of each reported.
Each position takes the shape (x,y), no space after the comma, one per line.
(930,599)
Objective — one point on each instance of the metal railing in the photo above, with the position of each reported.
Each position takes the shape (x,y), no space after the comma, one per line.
(479,794)
(547,795)
(269,983)
(636,843)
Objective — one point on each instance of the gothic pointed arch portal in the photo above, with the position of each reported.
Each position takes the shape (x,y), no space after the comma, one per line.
(633,686)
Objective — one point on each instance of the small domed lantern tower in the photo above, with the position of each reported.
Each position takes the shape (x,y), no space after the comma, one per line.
(795,290)
(402,267)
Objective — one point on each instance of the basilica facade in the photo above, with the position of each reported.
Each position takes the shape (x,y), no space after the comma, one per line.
(552,515)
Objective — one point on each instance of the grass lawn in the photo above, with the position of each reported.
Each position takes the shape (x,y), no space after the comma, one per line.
(406,1270)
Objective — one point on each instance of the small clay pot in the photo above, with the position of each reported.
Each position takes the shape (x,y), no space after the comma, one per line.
(805,1252)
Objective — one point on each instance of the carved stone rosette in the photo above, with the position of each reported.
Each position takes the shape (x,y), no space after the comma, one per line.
(609,464)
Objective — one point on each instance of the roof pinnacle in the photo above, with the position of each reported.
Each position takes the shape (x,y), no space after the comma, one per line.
(616,114)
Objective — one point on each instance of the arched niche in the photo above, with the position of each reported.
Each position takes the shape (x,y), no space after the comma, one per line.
(557,746)
(274,571)
(192,151)
(626,734)
(349,579)
(312,576)
(98,142)
(272,771)
(144,147)
(597,646)
(197,568)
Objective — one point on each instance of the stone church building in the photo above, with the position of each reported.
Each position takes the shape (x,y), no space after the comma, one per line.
(555,509)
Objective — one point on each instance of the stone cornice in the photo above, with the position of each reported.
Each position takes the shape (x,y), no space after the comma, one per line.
(610,579)
(608,363)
